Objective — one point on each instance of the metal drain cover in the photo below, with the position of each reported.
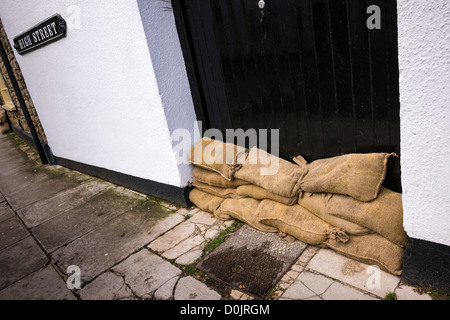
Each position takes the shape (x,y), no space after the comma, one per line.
(251,260)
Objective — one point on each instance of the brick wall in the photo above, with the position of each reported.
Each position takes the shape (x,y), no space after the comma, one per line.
(17,117)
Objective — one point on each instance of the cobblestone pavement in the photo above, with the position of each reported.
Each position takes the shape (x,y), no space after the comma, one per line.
(65,235)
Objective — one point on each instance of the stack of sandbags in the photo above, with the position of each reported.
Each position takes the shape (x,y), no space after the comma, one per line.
(347,192)
(383,215)
(211,189)
(213,176)
(375,228)
(4,125)
(338,203)
(216,179)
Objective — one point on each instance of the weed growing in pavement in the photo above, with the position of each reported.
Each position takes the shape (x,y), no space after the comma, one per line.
(390,296)
(210,246)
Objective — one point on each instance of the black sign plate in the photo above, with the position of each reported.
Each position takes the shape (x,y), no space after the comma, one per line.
(52,29)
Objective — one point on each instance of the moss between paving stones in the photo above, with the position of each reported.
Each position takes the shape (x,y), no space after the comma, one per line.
(191,270)
(210,246)
(390,296)
(167,204)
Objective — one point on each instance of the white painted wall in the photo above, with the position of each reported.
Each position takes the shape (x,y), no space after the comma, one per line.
(424,58)
(168,63)
(96,92)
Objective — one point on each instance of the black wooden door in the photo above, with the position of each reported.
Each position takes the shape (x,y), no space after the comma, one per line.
(310,68)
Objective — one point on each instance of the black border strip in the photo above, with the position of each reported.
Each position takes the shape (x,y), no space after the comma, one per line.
(427,264)
(148,187)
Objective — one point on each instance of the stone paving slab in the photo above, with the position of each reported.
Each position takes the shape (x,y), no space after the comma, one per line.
(189,288)
(19,260)
(185,243)
(173,237)
(78,221)
(12,231)
(165,292)
(12,150)
(44,284)
(108,286)
(165,225)
(310,286)
(145,273)
(316,284)
(405,292)
(6,172)
(10,156)
(39,191)
(6,141)
(18,179)
(13,161)
(359,275)
(7,144)
(15,171)
(99,250)
(298,291)
(201,217)
(2,198)
(338,291)
(67,199)
(5,212)
(184,247)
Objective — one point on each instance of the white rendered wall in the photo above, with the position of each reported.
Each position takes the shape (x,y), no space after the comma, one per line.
(424,58)
(168,63)
(95,91)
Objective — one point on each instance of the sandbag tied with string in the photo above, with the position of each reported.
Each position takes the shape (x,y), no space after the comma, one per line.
(317,204)
(357,175)
(299,223)
(245,210)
